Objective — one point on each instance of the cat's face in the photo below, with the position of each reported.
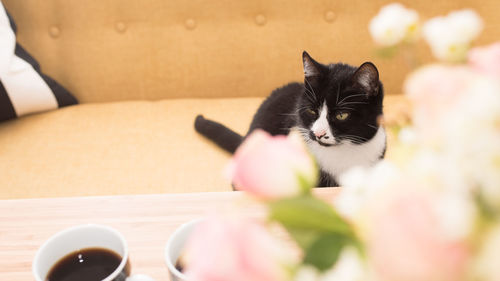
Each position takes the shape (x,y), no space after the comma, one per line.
(340,104)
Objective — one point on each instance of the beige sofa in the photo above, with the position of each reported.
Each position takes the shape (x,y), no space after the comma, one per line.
(143,69)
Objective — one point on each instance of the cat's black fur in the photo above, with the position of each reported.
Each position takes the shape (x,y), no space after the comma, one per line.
(291,106)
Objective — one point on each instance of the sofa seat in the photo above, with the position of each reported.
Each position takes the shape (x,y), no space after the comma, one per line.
(117,148)
(132,147)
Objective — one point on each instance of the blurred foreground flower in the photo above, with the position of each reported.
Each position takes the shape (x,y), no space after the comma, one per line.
(273,167)
(280,171)
(486,267)
(434,90)
(457,114)
(407,239)
(450,37)
(394,24)
(486,59)
(414,223)
(229,249)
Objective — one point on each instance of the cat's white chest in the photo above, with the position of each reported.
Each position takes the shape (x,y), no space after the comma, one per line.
(335,160)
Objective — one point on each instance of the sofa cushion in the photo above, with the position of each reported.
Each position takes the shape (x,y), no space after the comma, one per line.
(126,147)
(117,148)
(24,89)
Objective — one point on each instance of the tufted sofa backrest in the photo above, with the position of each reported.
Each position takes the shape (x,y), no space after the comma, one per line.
(109,50)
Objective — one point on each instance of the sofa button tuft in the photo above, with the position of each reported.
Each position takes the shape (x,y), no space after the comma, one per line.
(260,19)
(190,24)
(120,26)
(54,31)
(330,16)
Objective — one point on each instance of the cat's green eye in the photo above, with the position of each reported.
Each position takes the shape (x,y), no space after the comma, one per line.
(341,116)
(310,111)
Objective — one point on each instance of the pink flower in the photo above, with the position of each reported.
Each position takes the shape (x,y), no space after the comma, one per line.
(273,167)
(434,90)
(407,240)
(223,249)
(486,59)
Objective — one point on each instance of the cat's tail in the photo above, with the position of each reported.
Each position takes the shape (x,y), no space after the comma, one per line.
(221,135)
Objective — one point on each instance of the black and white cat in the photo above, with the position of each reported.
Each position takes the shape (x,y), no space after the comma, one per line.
(336,111)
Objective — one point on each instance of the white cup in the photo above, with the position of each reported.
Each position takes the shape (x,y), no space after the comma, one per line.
(81,237)
(174,247)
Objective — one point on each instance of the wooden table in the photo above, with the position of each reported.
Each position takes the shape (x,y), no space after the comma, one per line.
(146,221)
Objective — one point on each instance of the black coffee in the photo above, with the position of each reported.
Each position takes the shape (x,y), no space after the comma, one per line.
(179,266)
(91,264)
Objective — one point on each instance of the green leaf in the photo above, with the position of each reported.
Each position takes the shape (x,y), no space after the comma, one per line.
(316,227)
(308,213)
(305,183)
(485,210)
(325,251)
(303,237)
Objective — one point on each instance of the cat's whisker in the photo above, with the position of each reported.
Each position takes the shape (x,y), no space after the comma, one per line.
(312,89)
(371,126)
(348,97)
(353,136)
(309,91)
(304,132)
(299,110)
(309,85)
(310,98)
(344,107)
(338,94)
(355,141)
(310,95)
(352,102)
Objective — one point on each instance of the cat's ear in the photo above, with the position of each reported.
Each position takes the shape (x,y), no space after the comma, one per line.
(366,77)
(311,67)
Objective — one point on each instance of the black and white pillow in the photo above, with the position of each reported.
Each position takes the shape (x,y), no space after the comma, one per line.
(24,89)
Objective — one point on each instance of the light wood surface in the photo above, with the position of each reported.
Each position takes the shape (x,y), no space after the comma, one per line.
(146,221)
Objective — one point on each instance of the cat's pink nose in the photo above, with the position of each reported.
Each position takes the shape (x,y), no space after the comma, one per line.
(319,134)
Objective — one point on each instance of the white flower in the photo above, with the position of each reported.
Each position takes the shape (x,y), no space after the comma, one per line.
(468,22)
(450,37)
(394,24)
(361,185)
(473,137)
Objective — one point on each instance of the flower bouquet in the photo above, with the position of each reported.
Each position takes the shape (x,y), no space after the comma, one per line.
(430,212)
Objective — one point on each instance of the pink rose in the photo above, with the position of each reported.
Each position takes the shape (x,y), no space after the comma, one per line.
(407,240)
(486,59)
(223,249)
(273,167)
(434,90)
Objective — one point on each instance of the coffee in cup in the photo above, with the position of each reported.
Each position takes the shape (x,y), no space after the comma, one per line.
(87,252)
